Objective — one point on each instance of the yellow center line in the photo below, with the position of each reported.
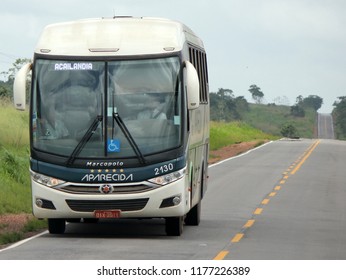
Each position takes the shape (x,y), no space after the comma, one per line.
(221,255)
(237,237)
(272,194)
(249,223)
(292,170)
(305,157)
(265,201)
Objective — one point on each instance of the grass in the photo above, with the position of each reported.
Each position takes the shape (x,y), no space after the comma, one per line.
(271,118)
(14,126)
(10,237)
(15,192)
(32,225)
(224,134)
(14,157)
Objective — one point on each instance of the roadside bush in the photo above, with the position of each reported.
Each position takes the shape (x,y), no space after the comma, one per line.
(289,130)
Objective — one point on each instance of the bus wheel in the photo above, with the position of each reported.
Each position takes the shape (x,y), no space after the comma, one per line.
(73,220)
(194,216)
(90,220)
(174,226)
(56,226)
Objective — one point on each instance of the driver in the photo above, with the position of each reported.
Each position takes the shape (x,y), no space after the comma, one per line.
(154,109)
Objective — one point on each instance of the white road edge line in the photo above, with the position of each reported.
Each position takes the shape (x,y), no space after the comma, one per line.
(23,241)
(243,154)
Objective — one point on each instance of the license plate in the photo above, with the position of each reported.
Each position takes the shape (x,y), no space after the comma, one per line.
(107,214)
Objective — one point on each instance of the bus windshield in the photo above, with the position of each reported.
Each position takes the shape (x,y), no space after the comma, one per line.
(114,109)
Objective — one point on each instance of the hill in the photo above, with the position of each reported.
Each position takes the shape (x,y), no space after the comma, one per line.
(271,118)
(297,120)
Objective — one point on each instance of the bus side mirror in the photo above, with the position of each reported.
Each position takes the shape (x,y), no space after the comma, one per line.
(19,87)
(192,86)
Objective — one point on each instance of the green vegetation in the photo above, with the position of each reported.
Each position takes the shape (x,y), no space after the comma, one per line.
(272,119)
(15,192)
(7,86)
(14,156)
(224,134)
(256,94)
(339,117)
(32,225)
(10,237)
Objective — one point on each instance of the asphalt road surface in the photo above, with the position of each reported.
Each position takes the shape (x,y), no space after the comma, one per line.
(284,200)
(325,127)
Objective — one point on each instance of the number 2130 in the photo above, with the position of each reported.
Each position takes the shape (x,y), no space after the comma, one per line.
(163,169)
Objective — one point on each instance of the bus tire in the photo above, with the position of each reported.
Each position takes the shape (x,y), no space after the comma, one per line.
(193,217)
(90,220)
(56,226)
(73,220)
(174,226)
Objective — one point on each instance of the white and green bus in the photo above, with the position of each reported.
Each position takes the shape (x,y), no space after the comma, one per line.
(119,122)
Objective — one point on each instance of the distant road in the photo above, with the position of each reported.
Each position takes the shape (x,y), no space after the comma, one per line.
(325,129)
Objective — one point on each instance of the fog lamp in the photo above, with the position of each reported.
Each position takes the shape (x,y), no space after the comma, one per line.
(39,202)
(176,200)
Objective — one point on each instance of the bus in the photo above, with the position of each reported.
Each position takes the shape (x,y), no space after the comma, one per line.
(119,122)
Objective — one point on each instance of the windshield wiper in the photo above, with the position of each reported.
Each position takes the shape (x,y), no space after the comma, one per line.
(85,139)
(129,137)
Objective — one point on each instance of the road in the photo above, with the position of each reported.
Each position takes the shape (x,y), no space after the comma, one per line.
(325,127)
(283,200)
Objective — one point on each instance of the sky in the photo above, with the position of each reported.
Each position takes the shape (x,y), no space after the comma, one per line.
(286,47)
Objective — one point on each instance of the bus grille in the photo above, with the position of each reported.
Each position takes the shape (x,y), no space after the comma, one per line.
(94,189)
(92,205)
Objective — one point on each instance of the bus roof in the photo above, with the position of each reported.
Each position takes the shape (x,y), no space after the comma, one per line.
(115,36)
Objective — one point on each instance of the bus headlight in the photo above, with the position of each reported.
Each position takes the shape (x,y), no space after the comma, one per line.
(46,180)
(168,178)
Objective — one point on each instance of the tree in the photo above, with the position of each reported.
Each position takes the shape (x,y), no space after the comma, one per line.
(339,117)
(7,86)
(19,63)
(241,104)
(225,103)
(224,106)
(313,101)
(297,111)
(3,91)
(256,93)
(224,95)
(299,100)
